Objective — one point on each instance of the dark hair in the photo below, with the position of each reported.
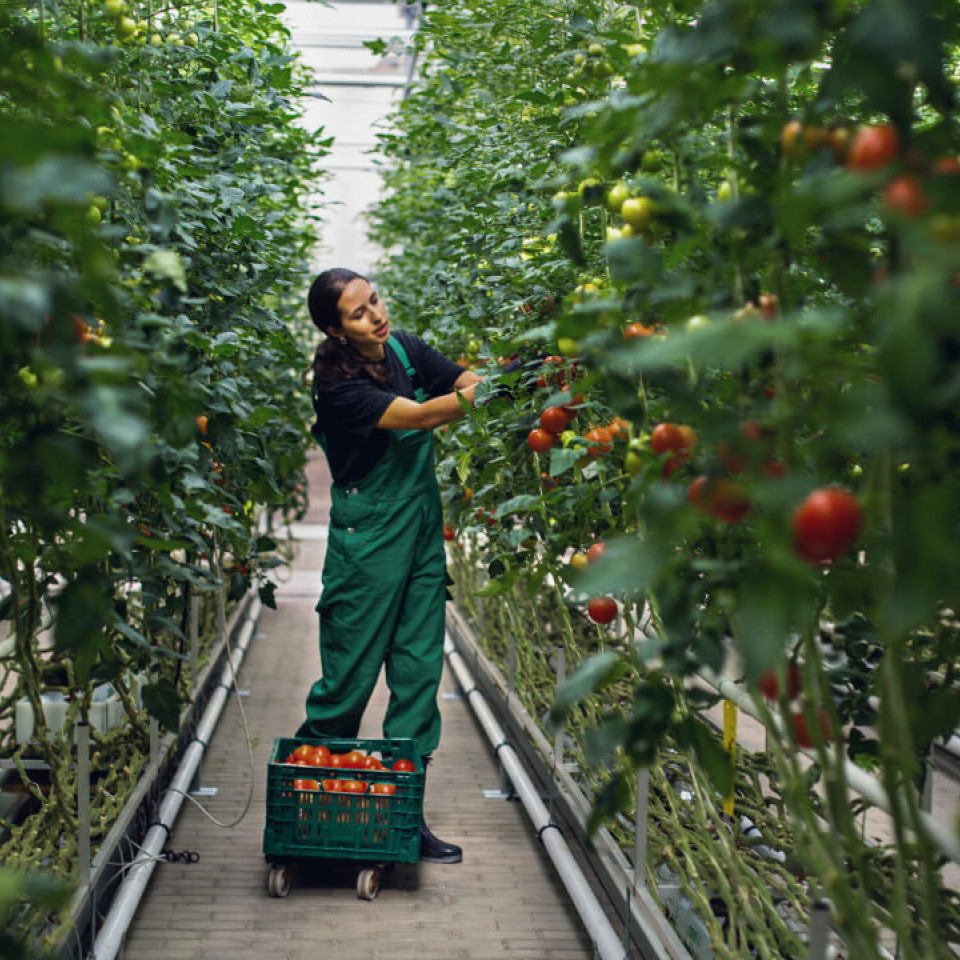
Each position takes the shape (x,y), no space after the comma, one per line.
(334,361)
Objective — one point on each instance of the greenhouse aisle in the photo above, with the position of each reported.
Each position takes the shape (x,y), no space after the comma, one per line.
(502,901)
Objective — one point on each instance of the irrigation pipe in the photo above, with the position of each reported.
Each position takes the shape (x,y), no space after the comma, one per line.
(945,838)
(606,942)
(110,938)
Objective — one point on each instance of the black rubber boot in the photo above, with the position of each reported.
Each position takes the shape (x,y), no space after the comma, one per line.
(433,849)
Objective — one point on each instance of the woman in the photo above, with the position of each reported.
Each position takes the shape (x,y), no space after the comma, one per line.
(378,395)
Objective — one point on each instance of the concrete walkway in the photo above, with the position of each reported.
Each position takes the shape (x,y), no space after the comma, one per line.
(503,901)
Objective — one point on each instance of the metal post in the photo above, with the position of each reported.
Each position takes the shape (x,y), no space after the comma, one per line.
(194,639)
(560,666)
(154,731)
(641,819)
(479,603)
(819,931)
(83,804)
(506,787)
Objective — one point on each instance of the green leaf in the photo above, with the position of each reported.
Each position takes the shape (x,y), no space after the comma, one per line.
(162,701)
(706,744)
(593,675)
(167,265)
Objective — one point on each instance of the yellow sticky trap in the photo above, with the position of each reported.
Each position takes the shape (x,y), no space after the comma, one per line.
(730,745)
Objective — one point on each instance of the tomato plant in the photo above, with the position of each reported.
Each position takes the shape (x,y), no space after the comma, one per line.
(780,207)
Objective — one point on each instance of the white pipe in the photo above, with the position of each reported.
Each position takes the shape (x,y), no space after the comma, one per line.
(606,942)
(122,909)
(943,837)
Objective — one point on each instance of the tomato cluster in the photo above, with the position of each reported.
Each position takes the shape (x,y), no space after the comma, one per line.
(307,755)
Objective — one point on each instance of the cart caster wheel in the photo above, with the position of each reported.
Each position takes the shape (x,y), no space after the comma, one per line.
(278,880)
(368,884)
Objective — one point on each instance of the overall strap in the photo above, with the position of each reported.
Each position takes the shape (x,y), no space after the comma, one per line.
(419,393)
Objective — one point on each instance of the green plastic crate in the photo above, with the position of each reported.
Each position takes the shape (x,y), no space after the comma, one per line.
(304,824)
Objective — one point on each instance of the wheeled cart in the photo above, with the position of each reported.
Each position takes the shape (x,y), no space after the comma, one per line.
(361,816)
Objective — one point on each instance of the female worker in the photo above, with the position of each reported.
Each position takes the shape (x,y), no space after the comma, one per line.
(378,395)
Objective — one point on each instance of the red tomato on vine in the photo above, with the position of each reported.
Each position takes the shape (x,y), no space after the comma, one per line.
(540,441)
(825,525)
(602,609)
(601,440)
(874,147)
(554,420)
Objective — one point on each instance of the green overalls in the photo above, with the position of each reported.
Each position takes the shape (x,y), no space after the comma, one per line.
(384,594)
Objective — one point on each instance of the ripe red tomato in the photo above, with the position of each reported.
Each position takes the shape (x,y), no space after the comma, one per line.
(873,147)
(947,166)
(904,195)
(801,729)
(601,440)
(635,330)
(602,609)
(665,437)
(540,441)
(321,756)
(331,786)
(825,525)
(304,752)
(719,497)
(383,789)
(571,409)
(449,533)
(596,550)
(769,683)
(728,500)
(698,494)
(688,440)
(353,786)
(554,420)
(791,138)
(354,759)
(404,766)
(774,468)
(306,785)
(338,760)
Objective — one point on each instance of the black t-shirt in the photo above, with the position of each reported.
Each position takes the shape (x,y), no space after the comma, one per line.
(348,412)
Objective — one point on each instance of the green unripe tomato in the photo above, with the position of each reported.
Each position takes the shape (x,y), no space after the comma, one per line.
(699,321)
(567,437)
(101,203)
(174,39)
(114,7)
(616,196)
(595,49)
(724,191)
(635,49)
(93,217)
(191,40)
(568,346)
(638,212)
(28,378)
(580,59)
(126,28)
(632,463)
(652,161)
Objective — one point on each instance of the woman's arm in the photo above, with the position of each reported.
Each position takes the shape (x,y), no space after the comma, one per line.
(404,414)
